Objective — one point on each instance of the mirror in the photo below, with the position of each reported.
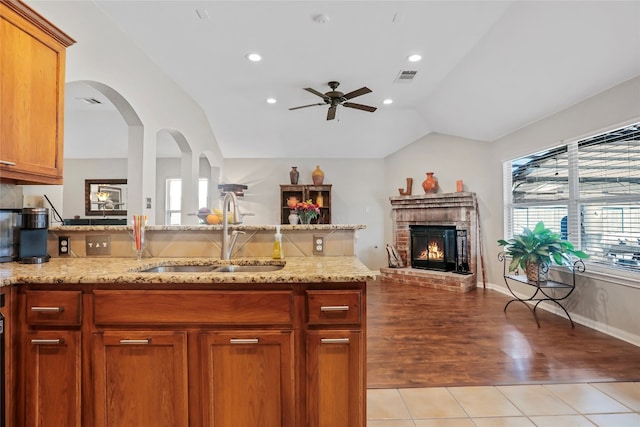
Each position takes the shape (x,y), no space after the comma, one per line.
(105,197)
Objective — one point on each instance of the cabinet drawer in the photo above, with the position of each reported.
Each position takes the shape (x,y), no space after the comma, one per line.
(54,308)
(334,307)
(134,307)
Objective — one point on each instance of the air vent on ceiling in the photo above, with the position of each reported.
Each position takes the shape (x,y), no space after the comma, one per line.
(405,76)
(89,100)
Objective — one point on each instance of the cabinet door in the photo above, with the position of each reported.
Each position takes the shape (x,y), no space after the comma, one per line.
(53,378)
(335,379)
(248,379)
(32,103)
(140,379)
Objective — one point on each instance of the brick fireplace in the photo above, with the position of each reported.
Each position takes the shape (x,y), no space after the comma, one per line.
(445,210)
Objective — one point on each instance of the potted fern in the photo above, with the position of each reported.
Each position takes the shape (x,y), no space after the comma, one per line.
(535,250)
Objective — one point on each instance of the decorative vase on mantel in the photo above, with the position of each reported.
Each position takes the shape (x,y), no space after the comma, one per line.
(293,175)
(430,185)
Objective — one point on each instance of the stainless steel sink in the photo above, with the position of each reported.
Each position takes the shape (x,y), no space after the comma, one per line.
(233,268)
(180,269)
(247,268)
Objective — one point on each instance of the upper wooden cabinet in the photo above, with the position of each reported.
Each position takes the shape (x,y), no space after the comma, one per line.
(32,68)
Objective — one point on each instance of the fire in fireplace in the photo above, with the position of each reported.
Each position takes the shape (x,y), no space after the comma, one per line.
(433,247)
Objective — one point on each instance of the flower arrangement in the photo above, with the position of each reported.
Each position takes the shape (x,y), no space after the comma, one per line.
(307,211)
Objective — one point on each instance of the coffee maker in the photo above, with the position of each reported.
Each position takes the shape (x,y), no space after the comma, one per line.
(33,235)
(9,234)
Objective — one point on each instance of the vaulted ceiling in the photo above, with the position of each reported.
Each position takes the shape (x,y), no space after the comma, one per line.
(488,68)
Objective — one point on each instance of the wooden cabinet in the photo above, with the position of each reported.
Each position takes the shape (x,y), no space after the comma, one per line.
(335,349)
(51,346)
(318,194)
(32,68)
(140,378)
(243,368)
(246,355)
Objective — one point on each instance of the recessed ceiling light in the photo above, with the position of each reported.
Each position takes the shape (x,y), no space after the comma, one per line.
(414,58)
(387,101)
(202,13)
(320,18)
(271,101)
(253,57)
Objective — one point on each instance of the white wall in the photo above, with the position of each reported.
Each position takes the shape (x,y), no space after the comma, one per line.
(358,195)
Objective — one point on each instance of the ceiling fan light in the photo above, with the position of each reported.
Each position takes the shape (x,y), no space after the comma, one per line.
(271,100)
(414,58)
(387,101)
(253,57)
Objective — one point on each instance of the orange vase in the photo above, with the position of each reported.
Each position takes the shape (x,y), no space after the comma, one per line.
(317,176)
(430,185)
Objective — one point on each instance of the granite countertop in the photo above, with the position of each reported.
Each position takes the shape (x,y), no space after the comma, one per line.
(200,227)
(127,270)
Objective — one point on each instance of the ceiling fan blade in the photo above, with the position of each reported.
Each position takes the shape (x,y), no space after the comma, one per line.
(357,92)
(315,92)
(360,107)
(305,106)
(331,114)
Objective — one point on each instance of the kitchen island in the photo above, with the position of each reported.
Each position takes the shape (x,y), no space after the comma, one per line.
(98,341)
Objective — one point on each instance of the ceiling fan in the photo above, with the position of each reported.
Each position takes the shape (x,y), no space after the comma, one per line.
(333,98)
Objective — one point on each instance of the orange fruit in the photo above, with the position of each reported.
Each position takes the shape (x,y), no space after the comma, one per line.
(213,219)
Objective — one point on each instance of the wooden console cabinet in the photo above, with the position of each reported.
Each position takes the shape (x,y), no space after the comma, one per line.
(32,69)
(318,194)
(283,355)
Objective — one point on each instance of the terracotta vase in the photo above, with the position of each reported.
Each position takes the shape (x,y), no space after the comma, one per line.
(317,176)
(294,174)
(430,185)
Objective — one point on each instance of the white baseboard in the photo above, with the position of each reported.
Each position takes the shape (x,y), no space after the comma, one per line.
(590,323)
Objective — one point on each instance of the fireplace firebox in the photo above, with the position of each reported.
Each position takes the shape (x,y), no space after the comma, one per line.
(433,247)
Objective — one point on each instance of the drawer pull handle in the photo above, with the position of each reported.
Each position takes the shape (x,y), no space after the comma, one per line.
(48,309)
(134,342)
(243,341)
(334,308)
(7,163)
(37,341)
(334,340)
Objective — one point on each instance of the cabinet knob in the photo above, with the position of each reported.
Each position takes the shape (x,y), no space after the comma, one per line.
(47,309)
(136,342)
(334,308)
(334,340)
(243,341)
(37,341)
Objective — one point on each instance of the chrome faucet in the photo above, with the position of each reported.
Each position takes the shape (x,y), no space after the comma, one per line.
(229,240)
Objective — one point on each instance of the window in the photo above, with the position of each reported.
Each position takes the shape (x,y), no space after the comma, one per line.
(588,190)
(173,199)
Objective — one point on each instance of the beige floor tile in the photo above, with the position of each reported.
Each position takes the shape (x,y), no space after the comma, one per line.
(586,399)
(433,402)
(445,422)
(615,420)
(390,423)
(484,402)
(386,404)
(535,400)
(503,422)
(561,421)
(626,393)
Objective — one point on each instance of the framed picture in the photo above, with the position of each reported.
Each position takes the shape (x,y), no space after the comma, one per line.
(113,194)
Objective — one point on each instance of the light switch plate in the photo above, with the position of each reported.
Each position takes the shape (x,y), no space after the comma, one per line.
(318,245)
(98,245)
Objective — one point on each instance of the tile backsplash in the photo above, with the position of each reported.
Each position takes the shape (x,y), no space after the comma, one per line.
(10,196)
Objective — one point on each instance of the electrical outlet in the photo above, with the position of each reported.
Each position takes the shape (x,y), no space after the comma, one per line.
(64,248)
(98,245)
(318,245)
